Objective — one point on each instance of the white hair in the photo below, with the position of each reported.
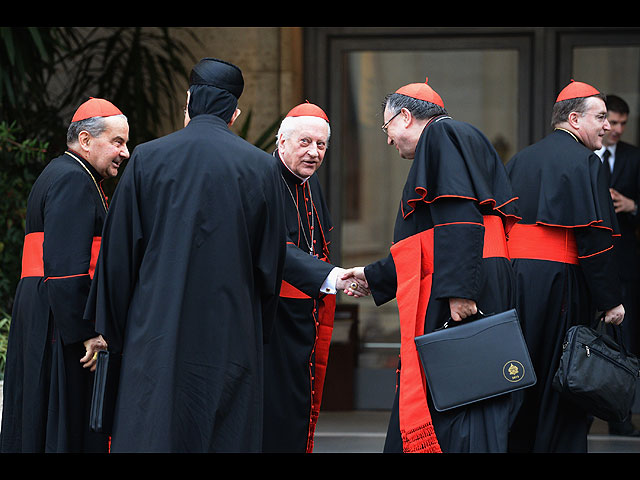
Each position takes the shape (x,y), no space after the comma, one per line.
(292,124)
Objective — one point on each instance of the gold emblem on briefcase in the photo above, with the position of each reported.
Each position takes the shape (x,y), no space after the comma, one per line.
(513,371)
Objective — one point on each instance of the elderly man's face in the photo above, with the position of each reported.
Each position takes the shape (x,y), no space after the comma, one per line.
(305,148)
(107,151)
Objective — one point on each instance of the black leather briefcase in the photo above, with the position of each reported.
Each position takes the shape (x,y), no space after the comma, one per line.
(476,359)
(105,388)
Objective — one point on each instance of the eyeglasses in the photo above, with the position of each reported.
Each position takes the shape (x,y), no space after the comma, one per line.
(600,117)
(384,127)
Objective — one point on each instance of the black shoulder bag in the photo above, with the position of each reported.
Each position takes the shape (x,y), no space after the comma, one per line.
(596,372)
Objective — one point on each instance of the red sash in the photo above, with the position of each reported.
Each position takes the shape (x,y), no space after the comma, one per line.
(413,258)
(541,242)
(32,256)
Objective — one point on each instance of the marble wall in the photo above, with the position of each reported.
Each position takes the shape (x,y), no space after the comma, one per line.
(271,62)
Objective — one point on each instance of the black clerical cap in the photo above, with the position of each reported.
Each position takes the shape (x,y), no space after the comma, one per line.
(218,73)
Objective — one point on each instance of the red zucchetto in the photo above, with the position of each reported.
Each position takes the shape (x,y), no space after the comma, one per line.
(576,90)
(307,110)
(95,107)
(421,91)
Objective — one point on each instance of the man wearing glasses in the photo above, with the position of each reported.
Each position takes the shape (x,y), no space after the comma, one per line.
(562,252)
(455,209)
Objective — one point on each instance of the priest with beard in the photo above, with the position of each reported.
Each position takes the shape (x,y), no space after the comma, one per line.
(188,279)
(296,355)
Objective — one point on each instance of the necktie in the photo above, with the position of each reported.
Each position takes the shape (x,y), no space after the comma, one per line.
(605,160)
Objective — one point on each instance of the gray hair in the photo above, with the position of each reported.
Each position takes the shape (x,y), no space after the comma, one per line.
(420,109)
(292,124)
(94,125)
(563,108)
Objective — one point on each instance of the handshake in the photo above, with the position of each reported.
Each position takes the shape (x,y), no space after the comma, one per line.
(353,282)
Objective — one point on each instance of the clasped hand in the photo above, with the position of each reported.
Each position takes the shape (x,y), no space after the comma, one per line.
(353,282)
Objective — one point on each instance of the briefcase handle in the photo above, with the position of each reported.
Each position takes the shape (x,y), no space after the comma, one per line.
(470,318)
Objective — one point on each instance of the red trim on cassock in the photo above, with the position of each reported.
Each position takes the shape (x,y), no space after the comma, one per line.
(324,329)
(325,307)
(510,220)
(542,242)
(32,256)
(413,257)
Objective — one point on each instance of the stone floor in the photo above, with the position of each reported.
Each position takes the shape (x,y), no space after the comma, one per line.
(364,432)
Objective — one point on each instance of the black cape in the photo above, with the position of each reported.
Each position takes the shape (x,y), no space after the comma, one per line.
(455,180)
(186,289)
(46,390)
(559,182)
(296,351)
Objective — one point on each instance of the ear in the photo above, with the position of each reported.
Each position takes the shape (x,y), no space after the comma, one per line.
(186,109)
(236,114)
(407,118)
(84,139)
(574,119)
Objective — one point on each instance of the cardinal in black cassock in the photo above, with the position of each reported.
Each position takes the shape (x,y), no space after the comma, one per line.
(297,353)
(188,278)
(47,390)
(562,254)
(449,246)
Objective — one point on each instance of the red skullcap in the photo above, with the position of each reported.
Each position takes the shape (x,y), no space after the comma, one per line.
(576,90)
(421,91)
(307,110)
(95,107)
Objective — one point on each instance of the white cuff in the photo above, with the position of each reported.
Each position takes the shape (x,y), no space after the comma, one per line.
(329,285)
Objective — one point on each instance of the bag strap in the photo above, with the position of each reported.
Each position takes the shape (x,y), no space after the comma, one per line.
(616,330)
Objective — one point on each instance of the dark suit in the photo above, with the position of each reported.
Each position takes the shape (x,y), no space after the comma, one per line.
(625,178)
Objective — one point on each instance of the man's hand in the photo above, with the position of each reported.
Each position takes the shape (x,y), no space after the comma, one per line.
(91,351)
(353,282)
(622,203)
(462,308)
(615,315)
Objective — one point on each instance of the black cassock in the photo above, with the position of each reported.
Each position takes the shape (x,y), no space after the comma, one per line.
(449,241)
(296,355)
(46,390)
(562,254)
(186,288)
